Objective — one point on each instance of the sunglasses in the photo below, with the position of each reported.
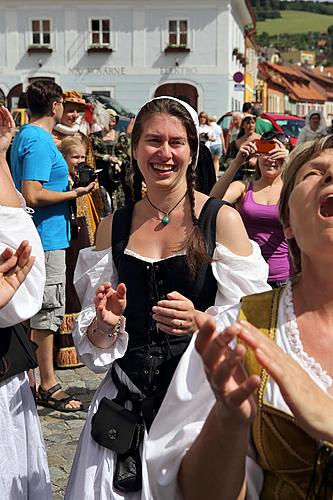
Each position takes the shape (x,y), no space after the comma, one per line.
(279,136)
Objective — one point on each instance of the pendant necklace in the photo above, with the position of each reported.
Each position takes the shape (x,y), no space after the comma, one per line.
(166,219)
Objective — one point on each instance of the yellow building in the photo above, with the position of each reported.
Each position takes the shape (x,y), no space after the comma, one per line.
(299,56)
(250,67)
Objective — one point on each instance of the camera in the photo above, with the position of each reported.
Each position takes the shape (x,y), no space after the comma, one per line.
(203,137)
(85,175)
(265,145)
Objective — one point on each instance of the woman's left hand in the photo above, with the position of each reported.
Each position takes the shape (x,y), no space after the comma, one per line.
(175,315)
(279,152)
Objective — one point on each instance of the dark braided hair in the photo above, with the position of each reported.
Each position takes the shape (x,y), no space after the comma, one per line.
(137,182)
(194,245)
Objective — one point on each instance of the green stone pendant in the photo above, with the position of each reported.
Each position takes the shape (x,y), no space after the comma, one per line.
(165,220)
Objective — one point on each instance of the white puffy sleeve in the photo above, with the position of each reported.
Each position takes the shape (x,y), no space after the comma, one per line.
(16,225)
(92,269)
(188,401)
(237,276)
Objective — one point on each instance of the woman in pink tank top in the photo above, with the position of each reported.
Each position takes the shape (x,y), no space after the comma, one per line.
(257,202)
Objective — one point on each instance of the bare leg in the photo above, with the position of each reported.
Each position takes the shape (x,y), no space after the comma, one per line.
(216,161)
(44,340)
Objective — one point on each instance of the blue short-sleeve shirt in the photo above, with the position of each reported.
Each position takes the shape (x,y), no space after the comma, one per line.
(35,157)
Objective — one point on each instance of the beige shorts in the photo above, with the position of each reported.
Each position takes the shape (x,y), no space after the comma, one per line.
(53,308)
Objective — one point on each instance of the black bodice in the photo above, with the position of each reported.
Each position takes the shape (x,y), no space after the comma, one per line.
(152,355)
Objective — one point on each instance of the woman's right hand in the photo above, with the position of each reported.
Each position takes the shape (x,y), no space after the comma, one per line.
(223,366)
(247,151)
(14,268)
(110,304)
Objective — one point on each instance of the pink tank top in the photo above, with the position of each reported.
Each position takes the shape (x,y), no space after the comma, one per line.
(263,226)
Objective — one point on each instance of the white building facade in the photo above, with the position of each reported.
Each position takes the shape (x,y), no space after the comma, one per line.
(128,49)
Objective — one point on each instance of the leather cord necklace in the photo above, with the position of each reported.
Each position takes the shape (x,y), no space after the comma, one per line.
(166,219)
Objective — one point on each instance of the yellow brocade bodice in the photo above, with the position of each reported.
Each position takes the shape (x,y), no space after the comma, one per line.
(287,455)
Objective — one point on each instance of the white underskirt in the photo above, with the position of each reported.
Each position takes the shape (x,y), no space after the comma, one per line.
(24,472)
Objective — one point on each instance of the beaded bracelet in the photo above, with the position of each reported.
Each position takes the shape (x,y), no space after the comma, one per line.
(113,333)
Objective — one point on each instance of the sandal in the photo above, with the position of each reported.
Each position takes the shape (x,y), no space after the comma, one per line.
(44,398)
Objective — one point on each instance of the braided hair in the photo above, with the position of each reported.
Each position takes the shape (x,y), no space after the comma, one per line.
(194,244)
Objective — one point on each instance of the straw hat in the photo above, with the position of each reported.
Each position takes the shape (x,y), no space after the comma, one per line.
(75,97)
(112,113)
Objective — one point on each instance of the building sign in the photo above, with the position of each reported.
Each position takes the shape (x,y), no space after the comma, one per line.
(239,86)
(170,70)
(104,70)
(121,70)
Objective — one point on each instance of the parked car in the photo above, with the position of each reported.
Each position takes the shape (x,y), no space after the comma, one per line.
(287,124)
(109,102)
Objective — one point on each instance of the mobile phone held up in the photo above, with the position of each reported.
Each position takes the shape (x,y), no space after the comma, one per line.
(265,145)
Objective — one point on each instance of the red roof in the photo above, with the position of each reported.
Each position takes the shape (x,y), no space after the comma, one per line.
(299,86)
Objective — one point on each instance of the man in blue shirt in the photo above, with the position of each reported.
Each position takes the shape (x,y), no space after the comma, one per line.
(41,174)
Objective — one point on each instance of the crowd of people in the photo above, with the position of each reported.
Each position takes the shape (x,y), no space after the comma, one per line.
(206,303)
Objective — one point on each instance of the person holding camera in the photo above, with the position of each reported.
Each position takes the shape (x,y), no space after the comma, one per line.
(41,174)
(206,131)
(83,219)
(247,133)
(257,200)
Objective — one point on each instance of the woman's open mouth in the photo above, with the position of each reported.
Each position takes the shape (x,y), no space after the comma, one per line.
(326,206)
(162,168)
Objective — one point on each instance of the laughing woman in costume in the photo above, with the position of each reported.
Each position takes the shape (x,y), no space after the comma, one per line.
(172,252)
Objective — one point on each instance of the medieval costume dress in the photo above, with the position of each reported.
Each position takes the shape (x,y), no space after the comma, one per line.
(282,460)
(142,360)
(109,177)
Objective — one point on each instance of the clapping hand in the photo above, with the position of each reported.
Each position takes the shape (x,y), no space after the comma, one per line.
(110,304)
(223,366)
(7,129)
(175,315)
(14,267)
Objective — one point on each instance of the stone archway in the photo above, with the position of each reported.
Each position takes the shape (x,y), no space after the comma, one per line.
(14,96)
(2,97)
(183,91)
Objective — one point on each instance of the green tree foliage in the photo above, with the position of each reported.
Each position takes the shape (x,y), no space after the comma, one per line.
(269,9)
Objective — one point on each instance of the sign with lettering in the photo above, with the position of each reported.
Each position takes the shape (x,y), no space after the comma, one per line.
(239,86)
(104,70)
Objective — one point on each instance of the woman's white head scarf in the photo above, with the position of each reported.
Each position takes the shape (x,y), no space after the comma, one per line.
(321,130)
(189,109)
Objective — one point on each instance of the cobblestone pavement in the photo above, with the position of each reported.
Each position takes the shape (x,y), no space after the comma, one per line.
(62,430)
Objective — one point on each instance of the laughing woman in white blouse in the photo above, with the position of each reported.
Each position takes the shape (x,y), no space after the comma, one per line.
(173,252)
